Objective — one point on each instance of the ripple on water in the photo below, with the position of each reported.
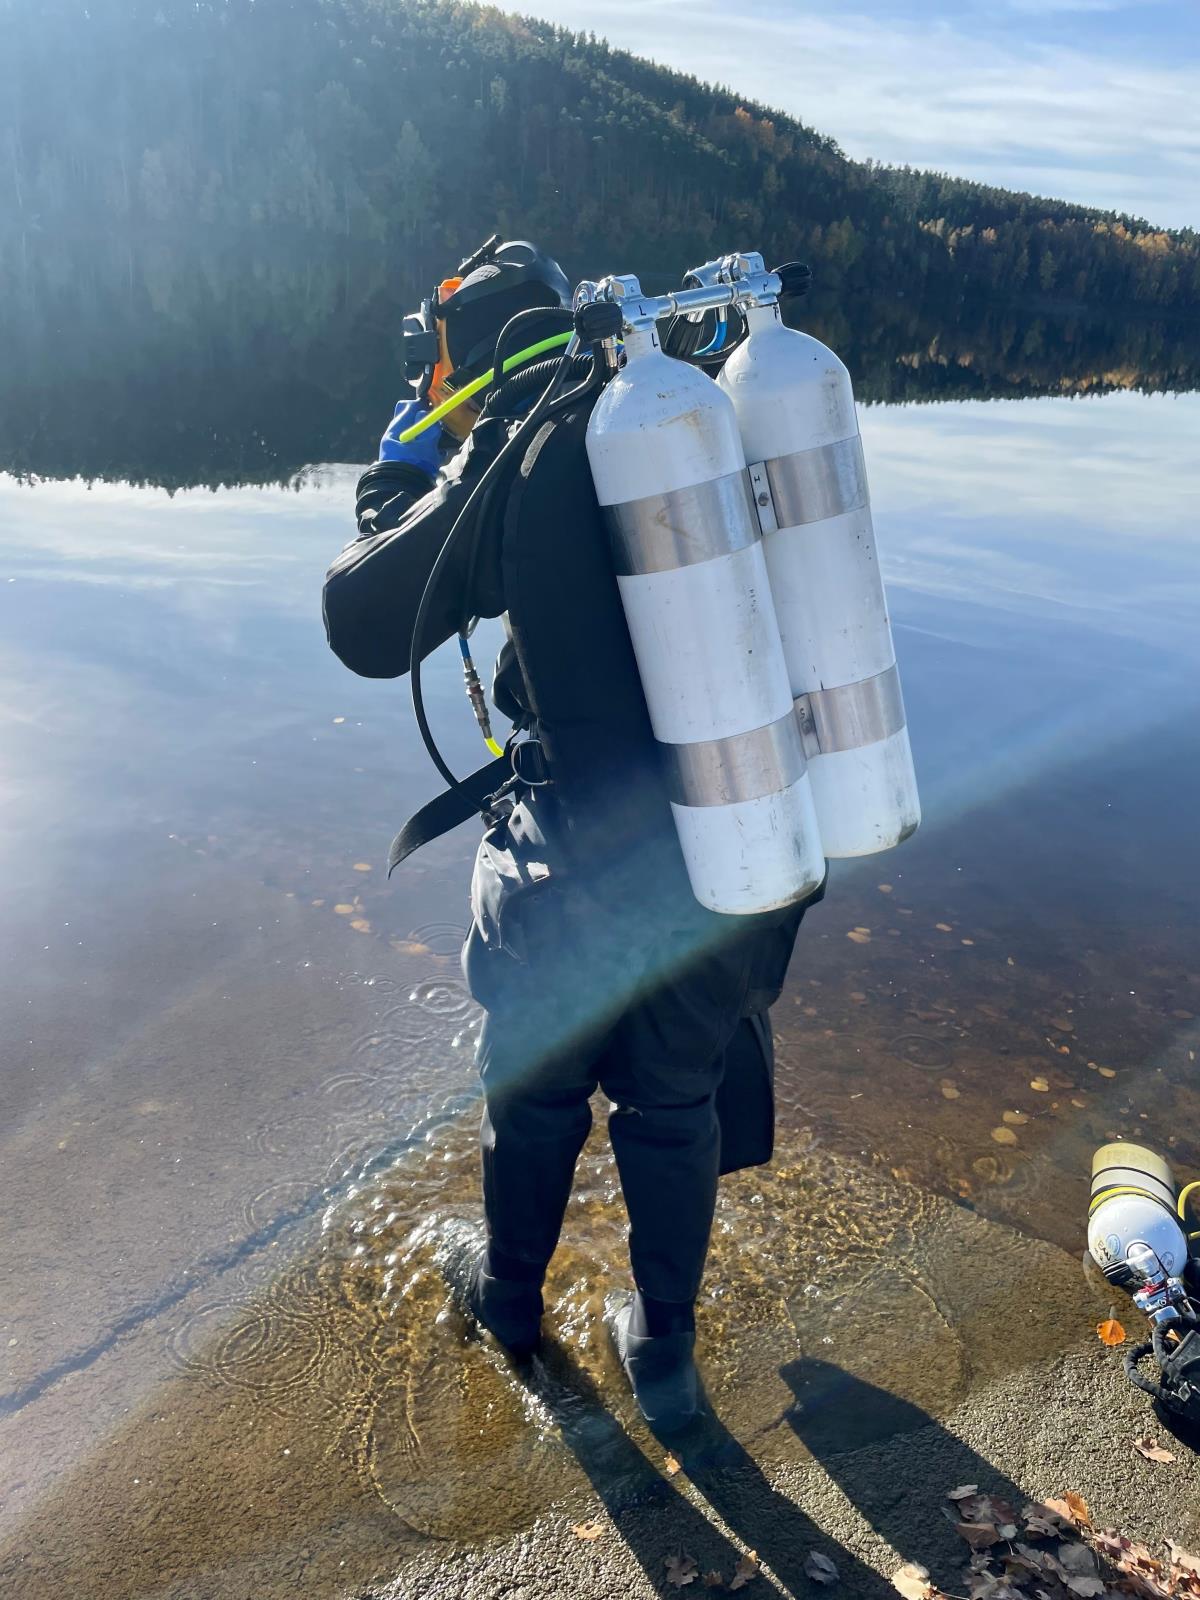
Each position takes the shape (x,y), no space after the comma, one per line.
(285,1349)
(443,997)
(922,1050)
(440,938)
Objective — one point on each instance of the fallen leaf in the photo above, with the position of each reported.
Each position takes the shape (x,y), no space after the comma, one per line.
(361,925)
(1056,1512)
(1077,1559)
(713,1580)
(979,1535)
(343,910)
(1077,1506)
(1018,1119)
(943,927)
(1180,1558)
(745,1571)
(1085,1586)
(1034,1559)
(681,1570)
(963,1492)
(950,1091)
(588,1530)
(1040,1085)
(1004,1136)
(820,1568)
(410,947)
(912,1581)
(1010,961)
(1040,1528)
(966,941)
(1152,1450)
(1063,1024)
(1110,1332)
(1107,1072)
(858,938)
(673,1464)
(884,888)
(339,719)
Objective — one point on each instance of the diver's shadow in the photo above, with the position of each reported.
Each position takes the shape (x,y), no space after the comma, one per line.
(765,1519)
(655,1519)
(892,1460)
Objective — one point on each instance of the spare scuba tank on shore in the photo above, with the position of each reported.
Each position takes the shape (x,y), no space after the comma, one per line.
(1137,1236)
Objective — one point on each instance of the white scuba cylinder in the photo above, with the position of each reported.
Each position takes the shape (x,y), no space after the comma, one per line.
(799,430)
(1135,1235)
(668,469)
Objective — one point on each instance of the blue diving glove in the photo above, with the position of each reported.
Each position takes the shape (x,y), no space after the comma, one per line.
(424,451)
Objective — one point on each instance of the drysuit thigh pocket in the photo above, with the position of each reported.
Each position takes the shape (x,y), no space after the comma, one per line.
(746,1097)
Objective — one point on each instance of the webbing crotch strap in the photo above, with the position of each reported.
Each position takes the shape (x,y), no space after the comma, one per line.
(448,809)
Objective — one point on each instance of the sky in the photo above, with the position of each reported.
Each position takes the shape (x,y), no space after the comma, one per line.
(1096,101)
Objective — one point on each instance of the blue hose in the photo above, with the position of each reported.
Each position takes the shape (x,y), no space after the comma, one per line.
(717,343)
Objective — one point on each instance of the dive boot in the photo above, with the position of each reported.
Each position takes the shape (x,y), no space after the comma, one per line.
(661,1369)
(509,1308)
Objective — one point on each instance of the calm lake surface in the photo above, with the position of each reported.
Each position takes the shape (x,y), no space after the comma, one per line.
(237,1108)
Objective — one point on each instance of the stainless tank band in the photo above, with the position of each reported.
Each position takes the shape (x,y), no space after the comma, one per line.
(663,531)
(744,766)
(855,715)
(810,485)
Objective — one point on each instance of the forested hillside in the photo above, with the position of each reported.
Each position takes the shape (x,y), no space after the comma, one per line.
(411,128)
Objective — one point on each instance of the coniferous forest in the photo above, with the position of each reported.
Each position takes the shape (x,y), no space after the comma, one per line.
(251,175)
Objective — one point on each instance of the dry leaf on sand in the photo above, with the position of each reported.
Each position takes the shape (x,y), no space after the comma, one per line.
(963,1492)
(1152,1450)
(912,1581)
(1110,1332)
(1071,1508)
(588,1530)
(672,1464)
(820,1568)
(713,1580)
(745,1571)
(1181,1559)
(979,1535)
(681,1570)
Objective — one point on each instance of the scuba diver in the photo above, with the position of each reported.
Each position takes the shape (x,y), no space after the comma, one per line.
(593,961)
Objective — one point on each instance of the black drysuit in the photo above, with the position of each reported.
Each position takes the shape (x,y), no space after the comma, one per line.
(594,962)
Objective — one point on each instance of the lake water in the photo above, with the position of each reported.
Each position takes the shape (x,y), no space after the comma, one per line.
(237,1111)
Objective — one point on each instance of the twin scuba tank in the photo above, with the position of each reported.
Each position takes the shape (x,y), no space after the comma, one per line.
(741,530)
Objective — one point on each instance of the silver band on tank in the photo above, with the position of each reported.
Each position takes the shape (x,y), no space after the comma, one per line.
(811,485)
(743,766)
(854,715)
(662,532)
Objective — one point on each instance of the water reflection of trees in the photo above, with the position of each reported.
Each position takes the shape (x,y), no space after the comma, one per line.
(220,371)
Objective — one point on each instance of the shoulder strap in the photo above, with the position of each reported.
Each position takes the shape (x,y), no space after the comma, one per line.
(447,810)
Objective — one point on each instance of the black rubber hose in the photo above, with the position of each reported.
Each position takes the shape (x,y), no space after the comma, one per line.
(506,339)
(1146,1385)
(531,380)
(464,520)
